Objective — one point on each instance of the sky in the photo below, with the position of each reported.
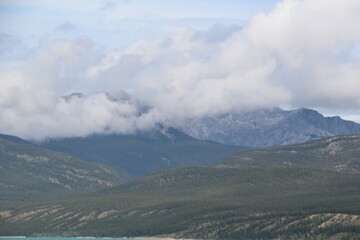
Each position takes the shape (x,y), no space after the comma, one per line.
(165,60)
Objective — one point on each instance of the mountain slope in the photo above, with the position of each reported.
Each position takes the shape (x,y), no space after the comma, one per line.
(27,171)
(205,203)
(339,153)
(267,127)
(144,152)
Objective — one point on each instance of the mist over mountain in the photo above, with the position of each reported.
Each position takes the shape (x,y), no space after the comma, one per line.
(124,114)
(80,114)
(267,127)
(272,59)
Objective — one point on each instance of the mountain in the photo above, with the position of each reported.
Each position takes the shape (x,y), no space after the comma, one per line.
(339,153)
(29,172)
(303,191)
(205,203)
(144,152)
(267,127)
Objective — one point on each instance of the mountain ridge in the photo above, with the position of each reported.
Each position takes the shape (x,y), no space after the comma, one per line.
(267,127)
(144,152)
(337,153)
(29,172)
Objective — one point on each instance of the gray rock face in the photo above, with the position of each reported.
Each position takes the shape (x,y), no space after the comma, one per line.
(267,127)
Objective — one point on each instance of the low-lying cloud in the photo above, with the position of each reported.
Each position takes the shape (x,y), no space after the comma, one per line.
(300,54)
(35,104)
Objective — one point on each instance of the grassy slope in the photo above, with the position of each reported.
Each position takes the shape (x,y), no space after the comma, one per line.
(144,153)
(226,203)
(340,153)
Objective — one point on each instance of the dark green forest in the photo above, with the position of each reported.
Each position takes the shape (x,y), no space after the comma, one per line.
(227,200)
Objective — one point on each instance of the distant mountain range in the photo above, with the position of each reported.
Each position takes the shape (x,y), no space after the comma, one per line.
(145,152)
(267,127)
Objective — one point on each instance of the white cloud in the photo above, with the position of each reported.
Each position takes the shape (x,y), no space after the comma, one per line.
(31,100)
(289,56)
(297,55)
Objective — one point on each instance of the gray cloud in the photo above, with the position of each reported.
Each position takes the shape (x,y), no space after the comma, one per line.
(295,55)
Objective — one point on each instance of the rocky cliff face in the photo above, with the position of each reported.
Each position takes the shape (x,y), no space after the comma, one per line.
(267,127)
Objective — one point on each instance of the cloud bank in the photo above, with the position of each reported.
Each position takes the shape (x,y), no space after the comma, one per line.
(300,54)
(34,104)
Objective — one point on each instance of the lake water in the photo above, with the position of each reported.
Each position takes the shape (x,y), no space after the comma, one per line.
(60,238)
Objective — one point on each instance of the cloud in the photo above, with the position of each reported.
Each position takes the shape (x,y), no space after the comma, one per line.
(305,39)
(88,114)
(295,55)
(65,27)
(33,107)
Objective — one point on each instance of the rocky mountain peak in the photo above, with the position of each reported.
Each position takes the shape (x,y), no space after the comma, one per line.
(71,96)
(267,127)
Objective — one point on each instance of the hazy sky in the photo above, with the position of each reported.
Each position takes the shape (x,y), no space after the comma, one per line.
(182,58)
(119,23)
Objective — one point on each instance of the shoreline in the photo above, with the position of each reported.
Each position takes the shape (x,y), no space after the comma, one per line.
(137,238)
